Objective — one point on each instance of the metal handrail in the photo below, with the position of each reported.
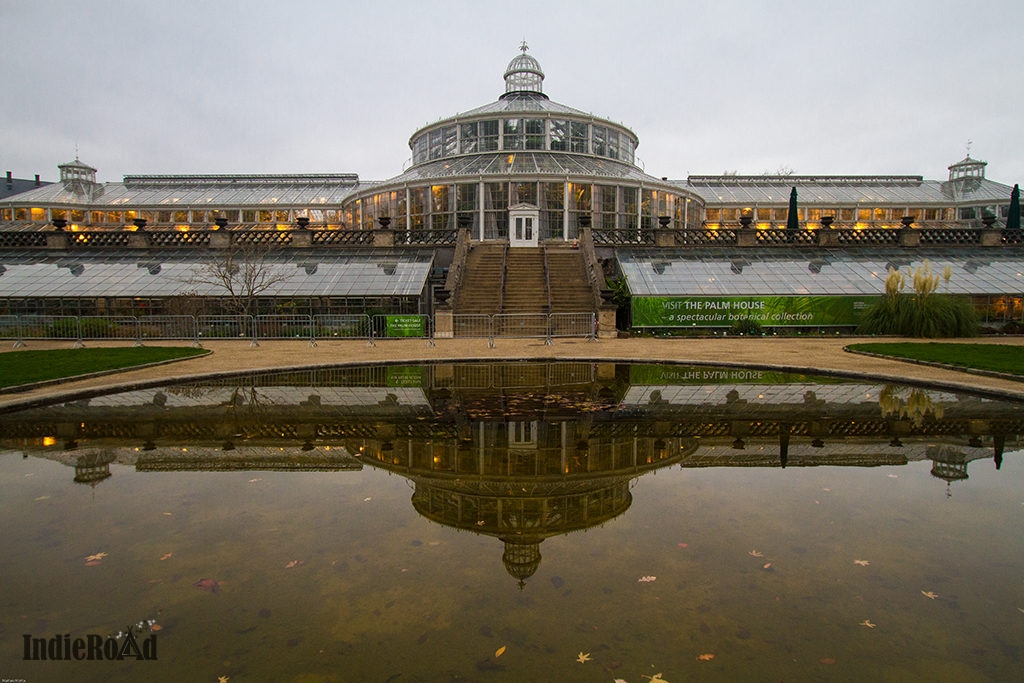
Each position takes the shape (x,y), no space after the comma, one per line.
(547,275)
(504,272)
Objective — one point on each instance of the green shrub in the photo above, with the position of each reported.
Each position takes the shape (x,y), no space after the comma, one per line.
(924,313)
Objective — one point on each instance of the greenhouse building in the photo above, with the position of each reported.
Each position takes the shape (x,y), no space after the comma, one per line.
(519,207)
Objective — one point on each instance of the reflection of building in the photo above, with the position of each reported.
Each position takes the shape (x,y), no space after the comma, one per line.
(555,424)
(522,171)
(524,481)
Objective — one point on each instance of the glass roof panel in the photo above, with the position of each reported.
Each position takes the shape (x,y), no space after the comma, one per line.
(367,273)
(786,272)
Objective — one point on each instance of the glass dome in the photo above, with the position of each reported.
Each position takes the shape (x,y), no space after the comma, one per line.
(524,74)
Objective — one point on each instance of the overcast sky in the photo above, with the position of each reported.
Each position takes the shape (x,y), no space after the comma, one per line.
(300,86)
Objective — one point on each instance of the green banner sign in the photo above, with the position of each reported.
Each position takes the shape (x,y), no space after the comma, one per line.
(405,326)
(768,311)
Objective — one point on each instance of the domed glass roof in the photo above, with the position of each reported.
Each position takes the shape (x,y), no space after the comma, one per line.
(524,74)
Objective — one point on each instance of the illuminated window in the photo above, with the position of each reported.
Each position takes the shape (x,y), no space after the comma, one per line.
(38,214)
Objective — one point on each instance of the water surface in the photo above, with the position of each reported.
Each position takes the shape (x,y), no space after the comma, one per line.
(496,522)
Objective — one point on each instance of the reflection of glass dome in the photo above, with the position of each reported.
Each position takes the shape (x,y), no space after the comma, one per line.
(524,74)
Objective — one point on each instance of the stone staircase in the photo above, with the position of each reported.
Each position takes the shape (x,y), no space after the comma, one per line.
(570,289)
(480,290)
(526,288)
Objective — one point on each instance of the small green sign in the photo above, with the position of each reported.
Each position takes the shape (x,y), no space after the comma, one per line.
(768,311)
(405,326)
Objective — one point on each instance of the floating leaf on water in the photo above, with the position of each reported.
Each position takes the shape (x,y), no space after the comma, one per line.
(583,657)
(647,579)
(499,652)
(862,563)
(767,565)
(706,657)
(209,585)
(867,622)
(167,556)
(755,553)
(929,595)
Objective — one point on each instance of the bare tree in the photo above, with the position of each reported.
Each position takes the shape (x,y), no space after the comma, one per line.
(241,274)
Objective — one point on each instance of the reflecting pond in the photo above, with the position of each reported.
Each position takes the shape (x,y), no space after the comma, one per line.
(514,522)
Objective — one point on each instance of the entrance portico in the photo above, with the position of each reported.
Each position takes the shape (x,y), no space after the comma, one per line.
(523,221)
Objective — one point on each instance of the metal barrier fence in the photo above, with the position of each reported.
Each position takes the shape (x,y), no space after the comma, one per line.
(140,329)
(522,326)
(346,326)
(473,325)
(285,327)
(165,327)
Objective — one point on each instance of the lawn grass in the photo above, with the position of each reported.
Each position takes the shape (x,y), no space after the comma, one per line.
(991,357)
(26,367)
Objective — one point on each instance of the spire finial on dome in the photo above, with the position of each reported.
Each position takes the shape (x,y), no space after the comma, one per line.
(523,47)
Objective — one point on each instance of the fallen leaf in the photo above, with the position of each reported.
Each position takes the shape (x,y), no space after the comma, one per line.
(647,579)
(209,585)
(167,556)
(862,563)
(223,679)
(95,558)
(42,498)
(683,545)
(92,563)
(500,651)
(367,500)
(929,595)
(253,481)
(583,657)
(767,565)
(156,627)
(755,553)
(707,657)
(168,514)
(867,622)
(294,563)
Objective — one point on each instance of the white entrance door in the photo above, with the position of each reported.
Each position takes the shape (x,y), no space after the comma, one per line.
(523,224)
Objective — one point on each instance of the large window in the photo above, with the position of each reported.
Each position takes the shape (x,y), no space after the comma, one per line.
(580,137)
(495,210)
(534,133)
(600,146)
(514,136)
(559,136)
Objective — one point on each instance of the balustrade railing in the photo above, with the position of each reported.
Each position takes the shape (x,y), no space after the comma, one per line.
(702,237)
